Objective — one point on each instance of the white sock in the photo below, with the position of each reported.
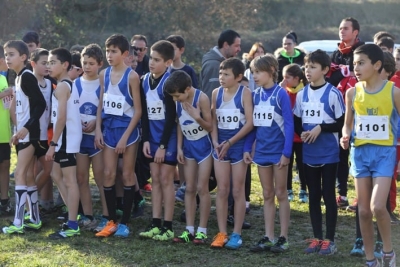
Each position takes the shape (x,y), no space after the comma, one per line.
(203,230)
(190,229)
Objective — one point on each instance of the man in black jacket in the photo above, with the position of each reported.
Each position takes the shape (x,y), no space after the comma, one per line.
(139,44)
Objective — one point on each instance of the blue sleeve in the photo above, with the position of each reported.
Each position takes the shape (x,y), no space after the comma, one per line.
(288,124)
(193,75)
(249,141)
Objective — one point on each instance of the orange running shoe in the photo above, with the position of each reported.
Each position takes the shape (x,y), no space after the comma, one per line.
(219,240)
(108,230)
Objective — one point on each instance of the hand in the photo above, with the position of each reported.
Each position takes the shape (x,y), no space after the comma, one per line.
(247,158)
(14,140)
(283,162)
(146,150)
(21,134)
(194,112)
(99,140)
(180,156)
(222,150)
(344,142)
(8,92)
(283,83)
(50,153)
(304,135)
(89,126)
(159,156)
(312,135)
(121,146)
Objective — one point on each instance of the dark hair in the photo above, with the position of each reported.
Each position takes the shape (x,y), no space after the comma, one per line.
(267,63)
(139,37)
(37,53)
(254,49)
(244,79)
(20,46)
(76,47)
(235,64)
(354,23)
(76,59)
(373,52)
(118,40)
(165,49)
(177,40)
(178,81)
(382,34)
(397,50)
(295,70)
(320,57)
(292,36)
(1,51)
(228,36)
(93,51)
(63,55)
(31,37)
(389,64)
(386,41)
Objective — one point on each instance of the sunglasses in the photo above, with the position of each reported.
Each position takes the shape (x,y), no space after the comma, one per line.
(140,49)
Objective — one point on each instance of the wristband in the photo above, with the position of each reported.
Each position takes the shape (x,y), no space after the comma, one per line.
(229,142)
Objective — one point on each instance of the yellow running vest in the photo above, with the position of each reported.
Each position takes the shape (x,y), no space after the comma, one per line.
(5,127)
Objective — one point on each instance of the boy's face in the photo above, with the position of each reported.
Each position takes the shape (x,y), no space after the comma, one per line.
(32,46)
(227,78)
(181,97)
(363,67)
(384,74)
(346,33)
(141,49)
(114,55)
(314,71)
(40,66)
(90,66)
(134,62)
(56,68)
(178,52)
(397,60)
(157,65)
(74,72)
(14,60)
(128,60)
(262,78)
(384,48)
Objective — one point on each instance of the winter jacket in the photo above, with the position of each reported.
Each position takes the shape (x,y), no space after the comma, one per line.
(284,59)
(209,76)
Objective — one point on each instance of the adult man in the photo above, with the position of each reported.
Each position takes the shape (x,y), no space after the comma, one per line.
(228,46)
(139,44)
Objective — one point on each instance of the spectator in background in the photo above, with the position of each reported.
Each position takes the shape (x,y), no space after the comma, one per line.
(288,54)
(256,50)
(139,44)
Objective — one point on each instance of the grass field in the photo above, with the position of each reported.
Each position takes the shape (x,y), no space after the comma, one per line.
(35,249)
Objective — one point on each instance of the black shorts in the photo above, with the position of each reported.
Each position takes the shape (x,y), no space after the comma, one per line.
(65,159)
(171,163)
(5,152)
(41,147)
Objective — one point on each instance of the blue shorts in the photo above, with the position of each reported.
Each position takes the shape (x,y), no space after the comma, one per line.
(89,151)
(113,135)
(234,154)
(266,160)
(372,161)
(197,150)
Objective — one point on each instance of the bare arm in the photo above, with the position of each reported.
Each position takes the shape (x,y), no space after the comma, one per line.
(99,142)
(348,119)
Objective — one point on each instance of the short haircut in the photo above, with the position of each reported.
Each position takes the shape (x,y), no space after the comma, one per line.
(1,51)
(177,82)
(386,41)
(292,36)
(177,40)
(20,46)
(372,51)
(254,49)
(119,41)
(244,79)
(320,57)
(93,51)
(76,47)
(63,55)
(139,37)
(76,59)
(228,36)
(389,64)
(267,63)
(31,37)
(235,64)
(295,70)
(132,51)
(382,34)
(165,49)
(37,53)
(354,23)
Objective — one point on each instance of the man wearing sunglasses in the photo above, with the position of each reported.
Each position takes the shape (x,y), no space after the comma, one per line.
(139,44)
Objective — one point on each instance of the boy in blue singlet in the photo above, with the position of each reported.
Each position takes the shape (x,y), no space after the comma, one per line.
(372,109)
(318,117)
(194,151)
(232,109)
(160,140)
(117,132)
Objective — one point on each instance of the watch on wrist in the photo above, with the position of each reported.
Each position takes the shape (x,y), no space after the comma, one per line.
(161,146)
(53,144)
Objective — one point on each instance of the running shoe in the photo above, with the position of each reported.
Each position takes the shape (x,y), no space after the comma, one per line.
(200,238)
(185,237)
(389,260)
(342,202)
(87,224)
(315,245)
(147,188)
(290,195)
(165,235)
(13,229)
(327,248)
(138,210)
(150,232)
(358,248)
(219,240)
(378,250)
(108,230)
(303,196)
(263,244)
(281,245)
(29,225)
(122,231)
(235,241)
(65,232)
(103,222)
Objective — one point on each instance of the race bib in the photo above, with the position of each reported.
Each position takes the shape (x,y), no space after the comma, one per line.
(6,101)
(155,110)
(228,118)
(54,110)
(18,102)
(312,112)
(263,115)
(193,131)
(113,104)
(85,119)
(372,127)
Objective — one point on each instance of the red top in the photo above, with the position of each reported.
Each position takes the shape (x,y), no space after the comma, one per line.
(396,79)
(292,92)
